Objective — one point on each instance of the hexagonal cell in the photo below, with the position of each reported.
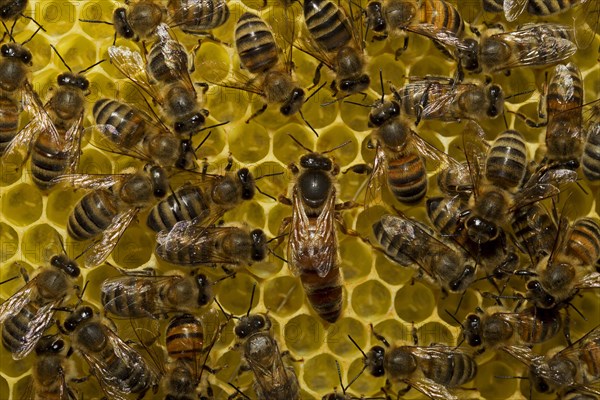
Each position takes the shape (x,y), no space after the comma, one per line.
(432,333)
(371,299)
(94,162)
(332,137)
(61,201)
(366,383)
(414,302)
(283,295)
(391,272)
(314,376)
(337,336)
(491,387)
(134,248)
(235,294)
(22,204)
(9,242)
(249,143)
(40,243)
(303,334)
(4,387)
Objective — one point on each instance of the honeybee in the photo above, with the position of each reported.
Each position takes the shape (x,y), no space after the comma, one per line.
(400,155)
(54,138)
(12,9)
(436,19)
(433,98)
(149,295)
(29,312)
(432,370)
(190,245)
(591,150)
(455,180)
(334,43)
(408,242)
(203,201)
(533,45)
(119,368)
(313,245)
(198,16)
(171,87)
(535,230)
(495,327)
(127,127)
(575,367)
(111,206)
(273,380)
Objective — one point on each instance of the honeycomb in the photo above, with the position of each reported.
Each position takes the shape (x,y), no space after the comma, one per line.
(375,290)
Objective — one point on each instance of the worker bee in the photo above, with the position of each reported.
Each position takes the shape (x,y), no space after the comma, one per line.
(125,127)
(335,44)
(273,380)
(575,367)
(205,200)
(435,19)
(591,150)
(118,367)
(409,242)
(171,87)
(149,295)
(535,231)
(54,137)
(432,370)
(198,16)
(313,245)
(400,155)
(29,312)
(495,327)
(433,98)
(543,8)
(111,206)
(190,244)
(531,44)
(455,180)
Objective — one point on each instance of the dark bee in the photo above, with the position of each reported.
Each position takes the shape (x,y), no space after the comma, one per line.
(534,45)
(119,368)
(137,296)
(335,44)
(192,245)
(111,206)
(29,312)
(52,370)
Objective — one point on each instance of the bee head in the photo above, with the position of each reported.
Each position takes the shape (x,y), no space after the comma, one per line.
(247,181)
(74,80)
(469,55)
(537,293)
(464,280)
(259,245)
(49,344)
(193,124)
(77,317)
(65,264)
(317,162)
(251,324)
(122,26)
(480,230)
(15,50)
(355,85)
(205,294)
(374,361)
(160,182)
(375,19)
(496,99)
(383,112)
(472,330)
(293,103)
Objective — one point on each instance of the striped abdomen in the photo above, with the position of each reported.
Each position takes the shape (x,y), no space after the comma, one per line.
(171,69)
(590,161)
(130,297)
(550,7)
(16,328)
(185,204)
(407,177)
(451,370)
(327,24)
(47,373)
(9,121)
(48,160)
(538,325)
(506,162)
(583,243)
(129,125)
(495,6)
(185,339)
(92,215)
(535,230)
(255,44)
(198,16)
(442,15)
(446,214)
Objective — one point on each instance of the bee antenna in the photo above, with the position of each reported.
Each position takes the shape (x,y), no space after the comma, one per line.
(347,142)
(251,299)
(462,297)
(382,88)
(510,377)
(355,378)
(264,193)
(60,57)
(519,93)
(276,255)
(204,140)
(300,144)
(225,313)
(62,244)
(307,123)
(341,99)
(95,21)
(268,175)
(32,36)
(9,32)
(277,237)
(238,390)
(83,71)
(315,92)
(9,279)
(339,371)
(213,126)
(358,104)
(577,311)
(454,318)
(357,346)
(228,276)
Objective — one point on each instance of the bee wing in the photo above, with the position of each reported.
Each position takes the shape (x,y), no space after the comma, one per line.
(142,285)
(172,52)
(431,389)
(14,304)
(91,182)
(23,140)
(438,94)
(100,251)
(309,46)
(444,36)
(586,23)
(131,64)
(72,144)
(34,105)
(38,325)
(104,142)
(238,79)
(431,153)
(376,178)
(514,8)
(589,281)
(535,42)
(525,355)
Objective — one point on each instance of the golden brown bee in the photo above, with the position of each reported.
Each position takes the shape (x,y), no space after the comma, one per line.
(273,380)
(335,44)
(574,368)
(190,245)
(534,45)
(198,16)
(436,19)
(111,206)
(313,245)
(119,368)
(455,180)
(535,230)
(495,327)
(143,296)
(432,370)
(29,312)
(410,243)
(433,98)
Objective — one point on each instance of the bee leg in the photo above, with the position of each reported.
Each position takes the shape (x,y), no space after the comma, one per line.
(333,88)
(285,223)
(379,37)
(567,327)
(529,121)
(404,391)
(361,169)
(413,332)
(289,356)
(257,112)
(229,163)
(401,50)
(379,337)
(317,77)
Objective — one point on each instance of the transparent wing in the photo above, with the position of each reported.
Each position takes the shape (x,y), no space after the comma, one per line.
(131,64)
(24,139)
(514,8)
(325,237)
(589,281)
(441,35)
(104,142)
(433,155)
(34,105)
(72,145)
(14,304)
(100,251)
(91,182)
(587,23)
(431,389)
(174,55)
(377,178)
(37,326)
